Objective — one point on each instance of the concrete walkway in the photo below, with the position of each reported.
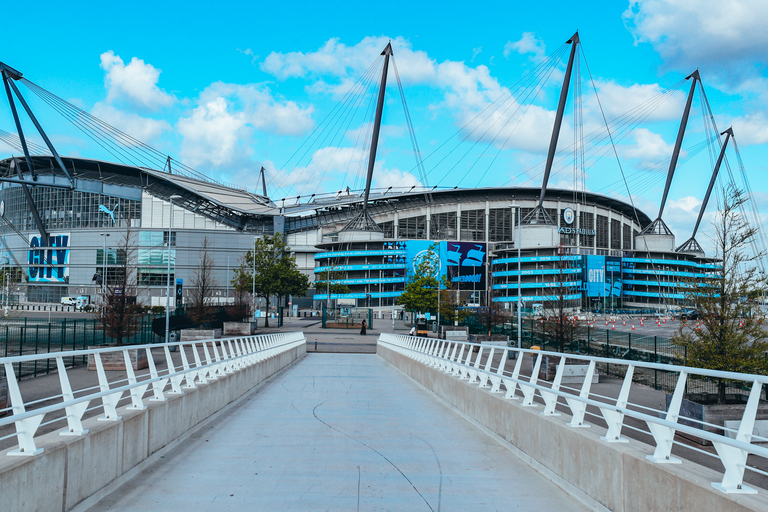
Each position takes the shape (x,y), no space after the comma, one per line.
(340,432)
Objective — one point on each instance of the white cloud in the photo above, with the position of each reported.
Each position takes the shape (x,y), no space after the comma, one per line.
(218,131)
(617,100)
(528,44)
(211,134)
(385,178)
(726,38)
(476,52)
(134,83)
(751,129)
(649,147)
(687,204)
(144,129)
(350,62)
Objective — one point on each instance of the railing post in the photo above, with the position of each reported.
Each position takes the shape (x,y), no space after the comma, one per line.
(734,459)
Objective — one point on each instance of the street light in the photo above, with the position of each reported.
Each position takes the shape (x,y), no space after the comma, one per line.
(519,291)
(104,266)
(253,291)
(168,276)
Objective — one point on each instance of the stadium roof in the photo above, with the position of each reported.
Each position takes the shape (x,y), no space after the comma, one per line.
(241,209)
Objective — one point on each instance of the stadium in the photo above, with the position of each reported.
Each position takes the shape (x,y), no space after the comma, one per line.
(594,243)
(495,245)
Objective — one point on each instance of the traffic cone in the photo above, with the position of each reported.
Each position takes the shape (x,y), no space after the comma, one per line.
(614,327)
(633,327)
(624,323)
(606,322)
(641,322)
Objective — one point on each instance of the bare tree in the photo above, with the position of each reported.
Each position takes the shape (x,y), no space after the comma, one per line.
(202,287)
(559,325)
(119,315)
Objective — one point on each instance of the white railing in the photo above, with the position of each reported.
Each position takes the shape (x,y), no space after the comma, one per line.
(483,367)
(198,362)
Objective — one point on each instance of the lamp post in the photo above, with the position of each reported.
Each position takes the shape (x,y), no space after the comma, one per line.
(253,281)
(168,275)
(519,291)
(104,267)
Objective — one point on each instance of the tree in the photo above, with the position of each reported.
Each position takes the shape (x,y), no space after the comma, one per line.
(270,270)
(119,314)
(491,315)
(451,304)
(242,286)
(421,287)
(202,286)
(729,339)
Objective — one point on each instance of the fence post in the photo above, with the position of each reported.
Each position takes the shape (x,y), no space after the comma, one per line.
(37,344)
(630,345)
(608,351)
(48,360)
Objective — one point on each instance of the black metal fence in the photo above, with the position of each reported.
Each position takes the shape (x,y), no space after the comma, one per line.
(621,345)
(26,336)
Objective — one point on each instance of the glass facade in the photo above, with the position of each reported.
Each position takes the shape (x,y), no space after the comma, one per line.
(69,209)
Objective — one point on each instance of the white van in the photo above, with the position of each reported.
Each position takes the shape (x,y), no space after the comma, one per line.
(69,301)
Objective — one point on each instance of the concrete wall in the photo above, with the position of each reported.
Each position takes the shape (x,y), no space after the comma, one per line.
(617,476)
(73,469)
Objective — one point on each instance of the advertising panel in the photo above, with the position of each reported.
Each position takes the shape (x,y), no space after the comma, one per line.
(602,276)
(465,265)
(49,265)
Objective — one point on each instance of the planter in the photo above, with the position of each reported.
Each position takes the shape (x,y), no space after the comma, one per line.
(116,360)
(704,407)
(574,372)
(200,334)
(239,328)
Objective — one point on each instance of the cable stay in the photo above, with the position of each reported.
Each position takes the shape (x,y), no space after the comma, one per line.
(12,140)
(691,245)
(658,227)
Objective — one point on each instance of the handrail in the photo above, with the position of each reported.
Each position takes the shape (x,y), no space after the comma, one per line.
(211,359)
(456,358)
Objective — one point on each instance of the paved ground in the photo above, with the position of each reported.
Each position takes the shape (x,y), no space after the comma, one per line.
(340,432)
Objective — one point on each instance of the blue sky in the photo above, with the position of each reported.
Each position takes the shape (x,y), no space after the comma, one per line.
(228,88)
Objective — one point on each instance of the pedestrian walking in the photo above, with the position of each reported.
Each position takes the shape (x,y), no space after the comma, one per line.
(363,326)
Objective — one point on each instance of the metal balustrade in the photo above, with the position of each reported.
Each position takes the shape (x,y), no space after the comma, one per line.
(459,360)
(199,362)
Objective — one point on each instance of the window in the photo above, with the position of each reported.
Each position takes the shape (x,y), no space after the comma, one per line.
(602,232)
(443,226)
(586,221)
(388,228)
(500,224)
(615,234)
(412,228)
(627,237)
(473,225)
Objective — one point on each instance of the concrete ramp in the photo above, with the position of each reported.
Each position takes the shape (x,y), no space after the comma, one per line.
(340,432)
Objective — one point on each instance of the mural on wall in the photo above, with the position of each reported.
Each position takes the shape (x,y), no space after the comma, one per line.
(602,276)
(463,263)
(49,265)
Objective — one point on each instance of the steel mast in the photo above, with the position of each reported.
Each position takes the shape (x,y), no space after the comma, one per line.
(363,221)
(539,215)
